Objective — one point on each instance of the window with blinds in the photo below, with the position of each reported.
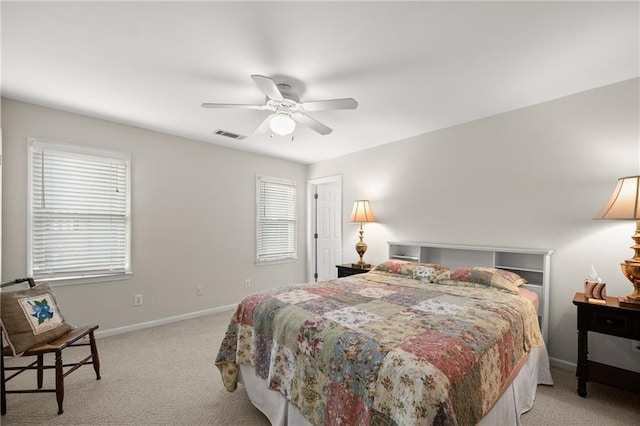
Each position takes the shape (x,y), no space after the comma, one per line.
(79,206)
(276,219)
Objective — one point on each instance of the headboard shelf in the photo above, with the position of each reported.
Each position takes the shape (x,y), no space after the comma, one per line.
(411,258)
(514,268)
(532,264)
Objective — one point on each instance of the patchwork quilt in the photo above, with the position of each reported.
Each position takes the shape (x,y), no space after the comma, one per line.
(382,348)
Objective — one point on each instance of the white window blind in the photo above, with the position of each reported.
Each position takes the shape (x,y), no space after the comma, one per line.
(79,211)
(276,219)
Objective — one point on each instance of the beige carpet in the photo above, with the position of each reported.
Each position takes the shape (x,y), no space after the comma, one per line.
(165,376)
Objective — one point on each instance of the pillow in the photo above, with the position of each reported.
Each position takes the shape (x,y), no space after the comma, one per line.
(418,271)
(490,277)
(30,317)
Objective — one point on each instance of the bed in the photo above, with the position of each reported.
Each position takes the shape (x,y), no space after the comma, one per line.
(406,343)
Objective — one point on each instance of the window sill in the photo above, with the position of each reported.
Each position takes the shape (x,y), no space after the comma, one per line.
(275,262)
(87,279)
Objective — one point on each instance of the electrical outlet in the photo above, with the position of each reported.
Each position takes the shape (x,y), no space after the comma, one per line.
(200,290)
(247,283)
(137,299)
(635,345)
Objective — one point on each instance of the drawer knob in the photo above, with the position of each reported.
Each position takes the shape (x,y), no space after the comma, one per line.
(609,322)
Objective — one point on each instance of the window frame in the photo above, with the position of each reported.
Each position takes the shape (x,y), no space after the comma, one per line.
(79,150)
(291,256)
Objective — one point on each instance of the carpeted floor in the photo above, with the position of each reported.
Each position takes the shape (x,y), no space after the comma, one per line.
(560,404)
(166,376)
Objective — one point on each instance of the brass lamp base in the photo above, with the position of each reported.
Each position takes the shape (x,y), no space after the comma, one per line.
(361,248)
(629,303)
(631,270)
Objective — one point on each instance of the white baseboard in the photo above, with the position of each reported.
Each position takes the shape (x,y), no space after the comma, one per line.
(162,321)
(561,363)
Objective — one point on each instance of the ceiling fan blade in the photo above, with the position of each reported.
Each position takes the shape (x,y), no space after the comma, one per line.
(311,123)
(329,104)
(264,126)
(268,87)
(244,106)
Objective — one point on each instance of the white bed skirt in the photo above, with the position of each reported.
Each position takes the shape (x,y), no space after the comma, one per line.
(517,399)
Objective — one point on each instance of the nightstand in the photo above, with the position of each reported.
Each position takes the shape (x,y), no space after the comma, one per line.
(611,319)
(347,269)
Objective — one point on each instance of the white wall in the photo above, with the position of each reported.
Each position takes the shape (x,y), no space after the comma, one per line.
(193,216)
(533,177)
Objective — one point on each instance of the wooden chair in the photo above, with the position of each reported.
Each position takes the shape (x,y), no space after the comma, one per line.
(76,337)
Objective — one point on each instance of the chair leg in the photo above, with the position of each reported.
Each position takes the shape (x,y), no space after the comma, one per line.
(59,381)
(40,371)
(94,355)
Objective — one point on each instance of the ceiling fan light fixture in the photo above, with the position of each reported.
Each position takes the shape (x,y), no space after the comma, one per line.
(287,110)
(282,124)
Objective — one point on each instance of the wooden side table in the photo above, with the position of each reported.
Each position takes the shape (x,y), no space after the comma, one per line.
(611,319)
(348,269)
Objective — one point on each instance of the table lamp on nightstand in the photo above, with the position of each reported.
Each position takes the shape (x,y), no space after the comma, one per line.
(624,204)
(361,213)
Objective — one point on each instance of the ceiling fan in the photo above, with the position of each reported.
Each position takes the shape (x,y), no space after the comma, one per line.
(287,110)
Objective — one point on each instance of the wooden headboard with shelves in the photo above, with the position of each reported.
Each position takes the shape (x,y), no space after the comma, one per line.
(532,264)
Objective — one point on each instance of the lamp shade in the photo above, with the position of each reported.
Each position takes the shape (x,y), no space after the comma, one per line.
(623,203)
(362,212)
(282,124)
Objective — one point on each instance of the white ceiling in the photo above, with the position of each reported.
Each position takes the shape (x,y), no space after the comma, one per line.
(413,67)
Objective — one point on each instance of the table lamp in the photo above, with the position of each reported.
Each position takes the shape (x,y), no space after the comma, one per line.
(624,204)
(361,213)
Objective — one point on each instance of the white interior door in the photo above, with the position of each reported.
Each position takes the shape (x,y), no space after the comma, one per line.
(327,228)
